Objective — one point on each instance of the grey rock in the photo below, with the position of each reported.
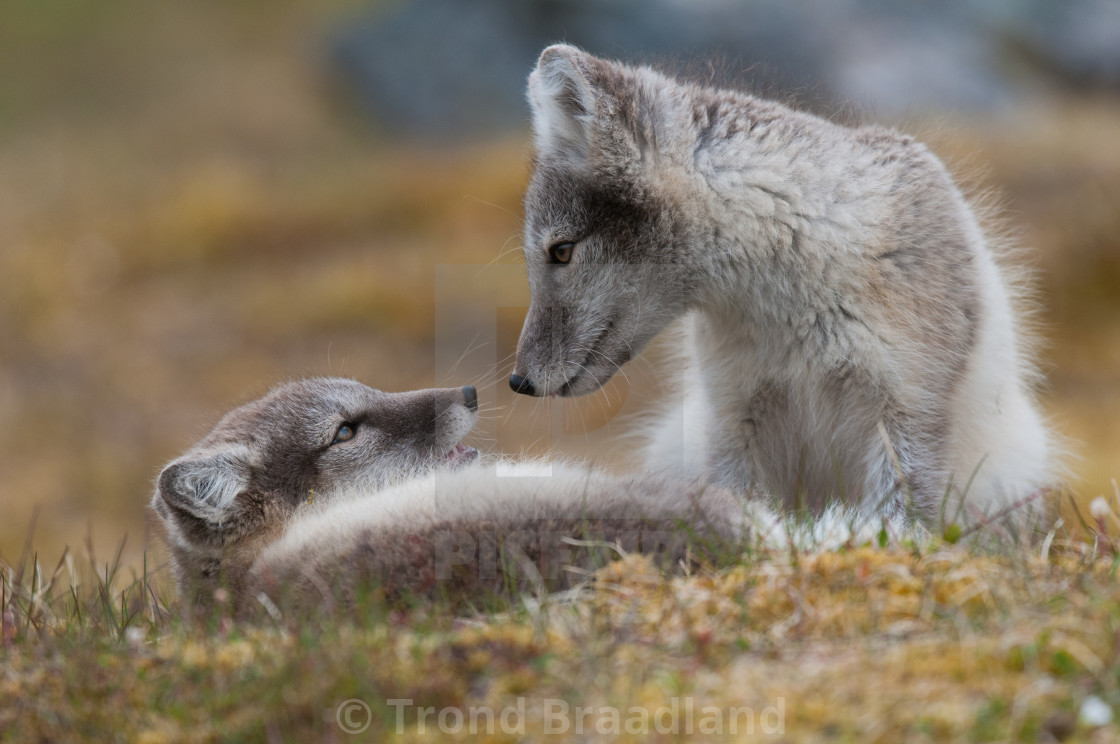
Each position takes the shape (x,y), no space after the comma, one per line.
(453,69)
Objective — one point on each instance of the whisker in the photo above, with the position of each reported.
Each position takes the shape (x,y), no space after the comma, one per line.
(491,204)
(470,348)
(503,251)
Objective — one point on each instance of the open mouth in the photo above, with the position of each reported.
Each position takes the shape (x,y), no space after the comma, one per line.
(460,455)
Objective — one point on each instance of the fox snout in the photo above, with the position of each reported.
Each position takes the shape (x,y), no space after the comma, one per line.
(470,398)
(538,349)
(451,422)
(568,352)
(522,385)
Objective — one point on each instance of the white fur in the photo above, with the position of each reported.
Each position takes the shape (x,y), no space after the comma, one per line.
(472,492)
(478,492)
(360,495)
(849,333)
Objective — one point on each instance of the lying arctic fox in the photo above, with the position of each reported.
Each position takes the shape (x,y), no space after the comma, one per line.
(850,334)
(325,489)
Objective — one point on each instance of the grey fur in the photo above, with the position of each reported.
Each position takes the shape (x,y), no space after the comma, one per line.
(851,334)
(266,504)
(236,489)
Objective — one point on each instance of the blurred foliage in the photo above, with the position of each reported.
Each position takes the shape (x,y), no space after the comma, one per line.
(190,212)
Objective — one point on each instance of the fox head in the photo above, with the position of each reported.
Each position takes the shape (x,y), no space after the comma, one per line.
(609,241)
(302,442)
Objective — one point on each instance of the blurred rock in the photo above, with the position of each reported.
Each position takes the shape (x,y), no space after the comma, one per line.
(453,69)
(437,68)
(1079,39)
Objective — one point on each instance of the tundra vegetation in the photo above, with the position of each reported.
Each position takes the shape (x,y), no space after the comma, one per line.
(188,215)
(886,641)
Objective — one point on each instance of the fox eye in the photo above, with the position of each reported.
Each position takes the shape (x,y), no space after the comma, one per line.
(345,432)
(561,253)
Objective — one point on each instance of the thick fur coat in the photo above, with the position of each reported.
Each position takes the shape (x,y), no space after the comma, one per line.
(850,336)
(325,491)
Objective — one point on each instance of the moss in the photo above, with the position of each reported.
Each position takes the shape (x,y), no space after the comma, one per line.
(863,644)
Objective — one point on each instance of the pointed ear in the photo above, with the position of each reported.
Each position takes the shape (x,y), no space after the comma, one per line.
(204,486)
(564,101)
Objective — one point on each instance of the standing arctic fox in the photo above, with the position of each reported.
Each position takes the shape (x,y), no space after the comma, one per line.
(324,489)
(850,334)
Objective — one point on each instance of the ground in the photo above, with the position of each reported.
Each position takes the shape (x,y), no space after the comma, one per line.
(191,211)
(906,642)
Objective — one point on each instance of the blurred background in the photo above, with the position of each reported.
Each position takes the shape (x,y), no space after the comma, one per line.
(200,199)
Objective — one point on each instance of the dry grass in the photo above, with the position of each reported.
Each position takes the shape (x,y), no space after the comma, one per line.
(188,214)
(931,642)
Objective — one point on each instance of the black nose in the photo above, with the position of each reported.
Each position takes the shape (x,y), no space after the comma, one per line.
(470,397)
(521,385)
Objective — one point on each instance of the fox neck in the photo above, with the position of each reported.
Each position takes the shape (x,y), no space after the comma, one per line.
(758,216)
(744,277)
(202,572)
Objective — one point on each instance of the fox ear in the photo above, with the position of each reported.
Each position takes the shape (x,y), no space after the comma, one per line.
(204,486)
(564,102)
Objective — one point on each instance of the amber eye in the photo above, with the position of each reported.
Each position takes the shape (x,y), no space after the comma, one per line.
(561,253)
(345,432)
